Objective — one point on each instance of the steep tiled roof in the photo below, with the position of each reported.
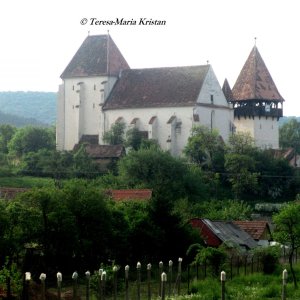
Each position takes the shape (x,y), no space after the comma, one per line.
(227,90)
(157,87)
(255,81)
(141,194)
(91,58)
(102,151)
(255,228)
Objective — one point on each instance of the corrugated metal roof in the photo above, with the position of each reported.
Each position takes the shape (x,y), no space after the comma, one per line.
(229,232)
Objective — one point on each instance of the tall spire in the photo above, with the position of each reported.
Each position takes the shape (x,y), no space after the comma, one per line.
(255,81)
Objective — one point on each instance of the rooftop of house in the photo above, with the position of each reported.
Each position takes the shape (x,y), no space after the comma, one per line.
(131,194)
(102,151)
(157,87)
(98,55)
(255,82)
(255,228)
(227,232)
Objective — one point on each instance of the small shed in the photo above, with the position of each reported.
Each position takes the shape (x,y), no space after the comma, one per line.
(215,233)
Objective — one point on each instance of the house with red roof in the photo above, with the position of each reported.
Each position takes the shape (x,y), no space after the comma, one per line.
(217,233)
(259,230)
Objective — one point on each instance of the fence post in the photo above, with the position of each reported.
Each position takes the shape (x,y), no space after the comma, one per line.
(27,278)
(160,267)
(115,270)
(170,276)
(149,280)
(127,282)
(163,285)
(138,268)
(179,275)
(223,279)
(75,277)
(42,279)
(88,279)
(59,280)
(103,283)
(284,279)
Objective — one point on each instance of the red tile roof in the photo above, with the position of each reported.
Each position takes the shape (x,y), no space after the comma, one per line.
(157,87)
(98,55)
(255,81)
(257,229)
(141,194)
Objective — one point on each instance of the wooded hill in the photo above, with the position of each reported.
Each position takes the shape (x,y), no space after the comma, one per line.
(24,108)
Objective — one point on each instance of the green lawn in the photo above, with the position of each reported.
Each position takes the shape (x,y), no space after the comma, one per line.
(25,181)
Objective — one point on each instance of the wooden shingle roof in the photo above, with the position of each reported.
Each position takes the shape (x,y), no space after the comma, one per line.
(255,81)
(157,87)
(98,55)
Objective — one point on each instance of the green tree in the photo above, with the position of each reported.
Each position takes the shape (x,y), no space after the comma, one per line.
(31,139)
(287,231)
(115,135)
(289,135)
(169,177)
(205,148)
(134,138)
(6,134)
(240,164)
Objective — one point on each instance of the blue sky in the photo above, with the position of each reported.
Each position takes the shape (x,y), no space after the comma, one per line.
(39,38)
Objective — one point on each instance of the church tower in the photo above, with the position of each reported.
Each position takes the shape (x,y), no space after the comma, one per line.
(257,103)
(87,82)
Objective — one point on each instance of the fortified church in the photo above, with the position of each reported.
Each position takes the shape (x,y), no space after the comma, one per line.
(99,89)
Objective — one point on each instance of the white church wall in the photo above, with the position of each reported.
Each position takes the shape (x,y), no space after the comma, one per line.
(83,98)
(264,131)
(60,118)
(163,131)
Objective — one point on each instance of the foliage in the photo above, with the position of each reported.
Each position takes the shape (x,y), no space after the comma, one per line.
(31,139)
(205,148)
(214,209)
(169,177)
(134,138)
(6,134)
(213,257)
(10,275)
(287,232)
(289,135)
(115,135)
(269,258)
